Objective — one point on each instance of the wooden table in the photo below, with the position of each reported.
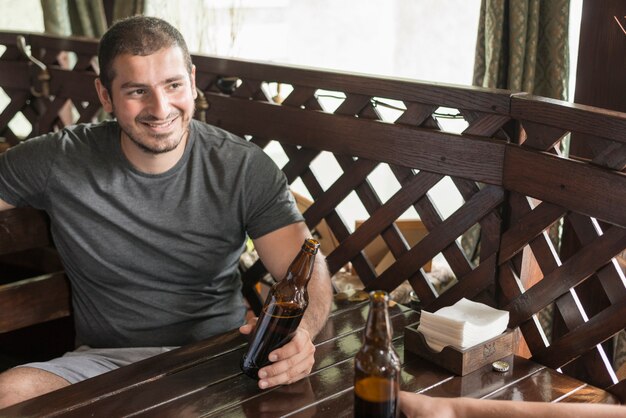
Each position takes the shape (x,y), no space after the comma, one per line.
(203,379)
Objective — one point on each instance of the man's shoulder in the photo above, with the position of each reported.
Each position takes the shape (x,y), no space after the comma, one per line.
(84,131)
(213,136)
(78,133)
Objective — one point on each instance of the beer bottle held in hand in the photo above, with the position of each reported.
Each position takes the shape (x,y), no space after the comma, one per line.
(283,309)
(376,365)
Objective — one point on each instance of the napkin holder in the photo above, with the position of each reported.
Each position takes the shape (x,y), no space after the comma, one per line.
(459,361)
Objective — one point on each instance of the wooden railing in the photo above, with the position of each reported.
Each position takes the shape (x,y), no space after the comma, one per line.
(506,165)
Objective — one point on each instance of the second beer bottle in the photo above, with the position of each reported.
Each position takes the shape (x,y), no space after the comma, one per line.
(376,365)
(282,311)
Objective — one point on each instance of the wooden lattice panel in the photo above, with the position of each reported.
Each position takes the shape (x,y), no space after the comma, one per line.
(15,80)
(587,291)
(361,139)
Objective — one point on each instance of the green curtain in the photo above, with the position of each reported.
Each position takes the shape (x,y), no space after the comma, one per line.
(523,45)
(84,17)
(74,17)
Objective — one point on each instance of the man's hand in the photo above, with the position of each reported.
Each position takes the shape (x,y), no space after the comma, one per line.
(290,363)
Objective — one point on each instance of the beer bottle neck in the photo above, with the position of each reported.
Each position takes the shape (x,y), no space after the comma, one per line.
(301,267)
(378,329)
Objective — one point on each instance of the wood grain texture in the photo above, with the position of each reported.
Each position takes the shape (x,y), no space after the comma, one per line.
(476,158)
(31,301)
(569,116)
(583,188)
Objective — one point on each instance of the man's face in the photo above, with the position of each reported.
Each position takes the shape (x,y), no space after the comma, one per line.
(152,98)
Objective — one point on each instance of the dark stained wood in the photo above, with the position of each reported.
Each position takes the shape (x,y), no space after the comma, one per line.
(437,239)
(14,75)
(527,228)
(582,188)
(26,302)
(495,101)
(434,151)
(568,275)
(22,229)
(541,137)
(72,84)
(388,213)
(535,389)
(204,379)
(460,362)
(340,189)
(569,116)
(215,381)
(470,285)
(32,301)
(584,337)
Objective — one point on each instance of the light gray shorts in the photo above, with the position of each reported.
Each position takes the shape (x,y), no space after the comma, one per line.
(86,362)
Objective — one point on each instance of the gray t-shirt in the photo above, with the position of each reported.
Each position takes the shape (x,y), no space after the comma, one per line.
(152,258)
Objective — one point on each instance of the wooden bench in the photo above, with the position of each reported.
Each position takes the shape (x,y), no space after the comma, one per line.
(550,226)
(34,292)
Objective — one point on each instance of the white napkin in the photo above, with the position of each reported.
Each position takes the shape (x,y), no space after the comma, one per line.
(462,325)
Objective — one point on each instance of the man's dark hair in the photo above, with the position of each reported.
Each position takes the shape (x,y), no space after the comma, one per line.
(137,35)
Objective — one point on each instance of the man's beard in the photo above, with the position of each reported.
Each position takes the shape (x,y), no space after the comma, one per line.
(148,150)
(155,151)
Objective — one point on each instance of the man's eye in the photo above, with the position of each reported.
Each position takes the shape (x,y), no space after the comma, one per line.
(137,92)
(175,86)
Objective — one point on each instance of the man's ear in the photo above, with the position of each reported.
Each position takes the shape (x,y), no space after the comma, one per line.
(192,78)
(104,96)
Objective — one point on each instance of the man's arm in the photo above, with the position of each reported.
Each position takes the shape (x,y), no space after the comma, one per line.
(5,206)
(294,360)
(417,406)
(277,250)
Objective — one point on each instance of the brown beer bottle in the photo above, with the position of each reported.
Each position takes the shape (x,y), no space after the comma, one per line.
(376,365)
(282,311)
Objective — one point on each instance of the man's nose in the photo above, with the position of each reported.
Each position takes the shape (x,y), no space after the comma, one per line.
(159,104)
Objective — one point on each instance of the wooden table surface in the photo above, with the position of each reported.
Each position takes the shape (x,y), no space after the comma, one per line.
(203,379)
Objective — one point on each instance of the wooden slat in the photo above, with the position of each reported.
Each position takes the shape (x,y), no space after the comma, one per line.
(472,283)
(544,386)
(541,137)
(55,44)
(527,228)
(612,156)
(388,213)
(572,272)
(340,189)
(610,277)
(205,386)
(487,125)
(18,102)
(569,116)
(72,84)
(48,293)
(440,237)
(595,331)
(14,75)
(22,229)
(449,154)
(574,185)
(487,100)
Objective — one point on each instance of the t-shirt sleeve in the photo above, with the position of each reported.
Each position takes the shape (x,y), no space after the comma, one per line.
(25,169)
(269,201)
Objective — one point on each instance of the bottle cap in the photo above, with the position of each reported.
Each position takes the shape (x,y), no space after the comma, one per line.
(500,366)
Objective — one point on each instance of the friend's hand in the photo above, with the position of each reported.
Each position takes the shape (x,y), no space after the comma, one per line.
(290,363)
(414,405)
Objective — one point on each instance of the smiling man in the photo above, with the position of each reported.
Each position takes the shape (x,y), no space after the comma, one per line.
(150,213)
